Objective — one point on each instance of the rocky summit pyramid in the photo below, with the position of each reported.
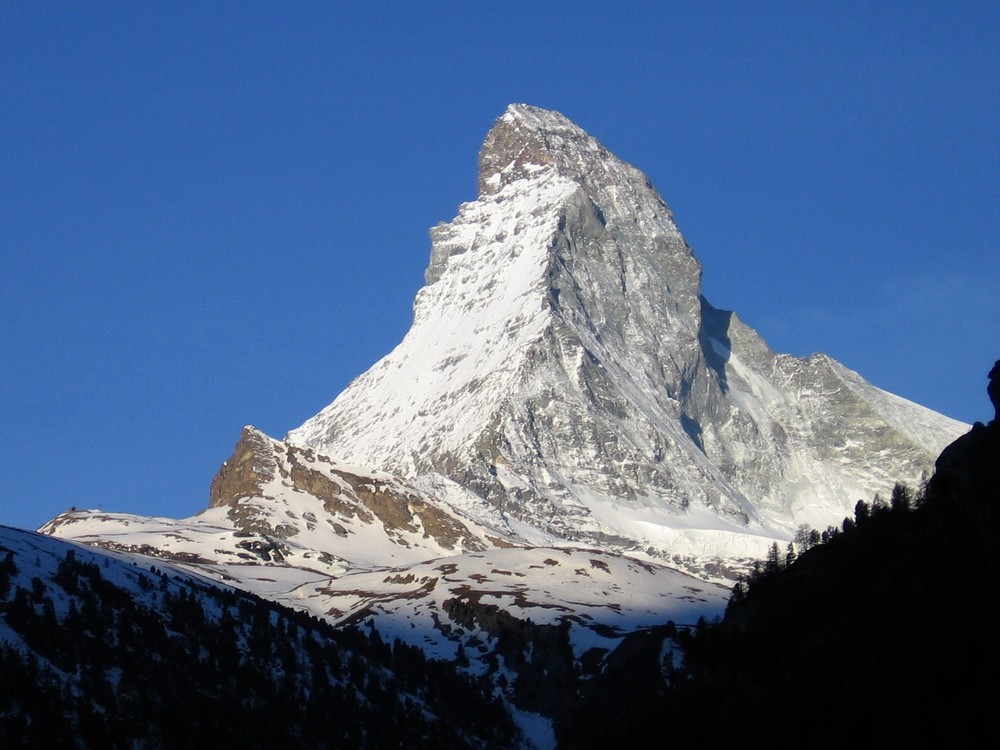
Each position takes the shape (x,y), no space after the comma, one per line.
(564,375)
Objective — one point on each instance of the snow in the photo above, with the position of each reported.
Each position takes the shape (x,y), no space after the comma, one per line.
(466,325)
(538,730)
(934,430)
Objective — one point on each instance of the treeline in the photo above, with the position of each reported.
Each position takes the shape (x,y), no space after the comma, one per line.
(902,500)
(881,632)
(180,667)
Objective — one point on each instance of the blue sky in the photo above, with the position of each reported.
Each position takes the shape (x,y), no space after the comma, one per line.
(216,214)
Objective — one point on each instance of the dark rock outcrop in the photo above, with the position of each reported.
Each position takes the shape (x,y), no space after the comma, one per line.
(993,390)
(970,466)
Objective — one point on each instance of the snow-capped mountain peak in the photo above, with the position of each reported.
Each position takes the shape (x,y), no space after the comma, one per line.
(527,142)
(567,422)
(564,369)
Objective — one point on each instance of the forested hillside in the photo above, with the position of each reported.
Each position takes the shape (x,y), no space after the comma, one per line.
(98,654)
(884,632)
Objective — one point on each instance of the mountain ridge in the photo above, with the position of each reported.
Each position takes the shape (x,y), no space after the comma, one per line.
(565,382)
(563,360)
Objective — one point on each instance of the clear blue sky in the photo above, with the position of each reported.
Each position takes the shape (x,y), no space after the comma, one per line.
(214,214)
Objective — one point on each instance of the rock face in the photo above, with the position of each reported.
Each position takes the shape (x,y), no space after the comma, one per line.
(245,473)
(262,469)
(275,504)
(564,370)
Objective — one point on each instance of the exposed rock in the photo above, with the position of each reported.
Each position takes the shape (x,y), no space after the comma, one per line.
(320,485)
(261,468)
(244,473)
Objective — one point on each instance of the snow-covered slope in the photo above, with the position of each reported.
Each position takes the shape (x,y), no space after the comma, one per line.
(360,548)
(353,546)
(564,370)
(38,556)
(166,658)
(281,516)
(602,595)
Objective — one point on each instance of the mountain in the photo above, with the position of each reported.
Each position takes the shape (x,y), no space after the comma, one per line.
(564,372)
(564,383)
(569,448)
